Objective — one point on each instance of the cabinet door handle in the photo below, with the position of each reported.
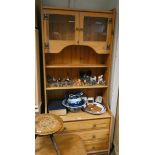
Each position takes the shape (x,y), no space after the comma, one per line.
(108,47)
(77,29)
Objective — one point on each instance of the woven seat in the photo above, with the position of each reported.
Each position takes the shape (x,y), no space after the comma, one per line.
(68,145)
(46,124)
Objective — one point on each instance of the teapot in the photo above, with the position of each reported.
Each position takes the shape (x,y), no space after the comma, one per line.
(74,99)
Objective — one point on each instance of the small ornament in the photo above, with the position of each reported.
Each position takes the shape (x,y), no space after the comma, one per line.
(90,99)
(100,80)
(93,80)
(98,99)
(49,79)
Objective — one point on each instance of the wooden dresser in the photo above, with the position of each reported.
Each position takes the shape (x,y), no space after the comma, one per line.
(73,41)
(93,130)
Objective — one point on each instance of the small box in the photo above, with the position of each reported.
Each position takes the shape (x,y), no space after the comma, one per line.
(56,107)
(90,99)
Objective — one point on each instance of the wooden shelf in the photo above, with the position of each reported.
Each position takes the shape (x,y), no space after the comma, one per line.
(83,116)
(77,66)
(77,87)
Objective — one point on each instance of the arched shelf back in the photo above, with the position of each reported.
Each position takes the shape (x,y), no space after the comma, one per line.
(77,55)
(60,49)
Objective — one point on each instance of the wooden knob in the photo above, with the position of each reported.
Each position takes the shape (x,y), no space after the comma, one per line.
(93,136)
(65,128)
(94,126)
(80,29)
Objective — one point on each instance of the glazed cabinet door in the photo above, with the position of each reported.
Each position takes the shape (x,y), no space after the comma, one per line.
(59,29)
(96,31)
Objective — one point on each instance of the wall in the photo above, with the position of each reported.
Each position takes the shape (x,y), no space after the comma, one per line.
(115,66)
(113,100)
(82,4)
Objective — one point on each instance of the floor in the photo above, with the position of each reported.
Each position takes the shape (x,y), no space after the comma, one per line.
(40,141)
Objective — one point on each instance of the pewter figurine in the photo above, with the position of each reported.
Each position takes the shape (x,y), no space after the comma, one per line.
(100,80)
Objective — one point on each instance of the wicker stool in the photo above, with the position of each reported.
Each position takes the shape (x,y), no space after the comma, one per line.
(48,124)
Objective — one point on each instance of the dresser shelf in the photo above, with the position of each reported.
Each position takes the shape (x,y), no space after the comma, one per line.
(75,87)
(77,66)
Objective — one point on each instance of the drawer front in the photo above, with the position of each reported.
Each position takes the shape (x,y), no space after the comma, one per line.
(96,145)
(86,125)
(91,135)
(94,134)
(94,140)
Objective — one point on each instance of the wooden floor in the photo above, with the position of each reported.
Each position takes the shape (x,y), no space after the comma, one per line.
(67,145)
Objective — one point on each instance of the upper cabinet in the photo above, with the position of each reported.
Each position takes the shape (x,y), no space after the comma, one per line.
(59,29)
(72,27)
(96,31)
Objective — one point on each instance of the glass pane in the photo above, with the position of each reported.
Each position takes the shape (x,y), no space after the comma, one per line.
(61,27)
(95,28)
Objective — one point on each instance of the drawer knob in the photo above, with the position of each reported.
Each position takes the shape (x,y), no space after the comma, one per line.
(65,128)
(94,136)
(94,126)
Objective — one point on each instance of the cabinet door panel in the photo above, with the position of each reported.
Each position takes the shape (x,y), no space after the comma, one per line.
(95,28)
(61,29)
(95,31)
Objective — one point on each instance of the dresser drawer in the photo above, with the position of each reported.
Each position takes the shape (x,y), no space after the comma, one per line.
(96,145)
(86,125)
(91,135)
(94,134)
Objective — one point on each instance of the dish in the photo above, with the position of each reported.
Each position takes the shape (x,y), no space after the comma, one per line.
(75,107)
(95,108)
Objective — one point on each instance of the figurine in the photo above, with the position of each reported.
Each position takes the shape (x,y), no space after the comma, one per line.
(77,82)
(85,77)
(93,80)
(98,99)
(54,80)
(100,80)
(67,82)
(49,79)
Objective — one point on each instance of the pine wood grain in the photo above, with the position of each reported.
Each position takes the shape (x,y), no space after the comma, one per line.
(83,116)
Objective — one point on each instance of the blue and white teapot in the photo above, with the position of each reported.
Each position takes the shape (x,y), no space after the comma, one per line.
(74,99)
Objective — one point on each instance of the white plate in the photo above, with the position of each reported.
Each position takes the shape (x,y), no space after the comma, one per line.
(96,113)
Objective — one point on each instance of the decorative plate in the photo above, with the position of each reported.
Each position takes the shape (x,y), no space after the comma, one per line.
(80,104)
(95,108)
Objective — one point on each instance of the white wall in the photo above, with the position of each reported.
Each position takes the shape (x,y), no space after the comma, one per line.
(114,85)
(115,67)
(82,4)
